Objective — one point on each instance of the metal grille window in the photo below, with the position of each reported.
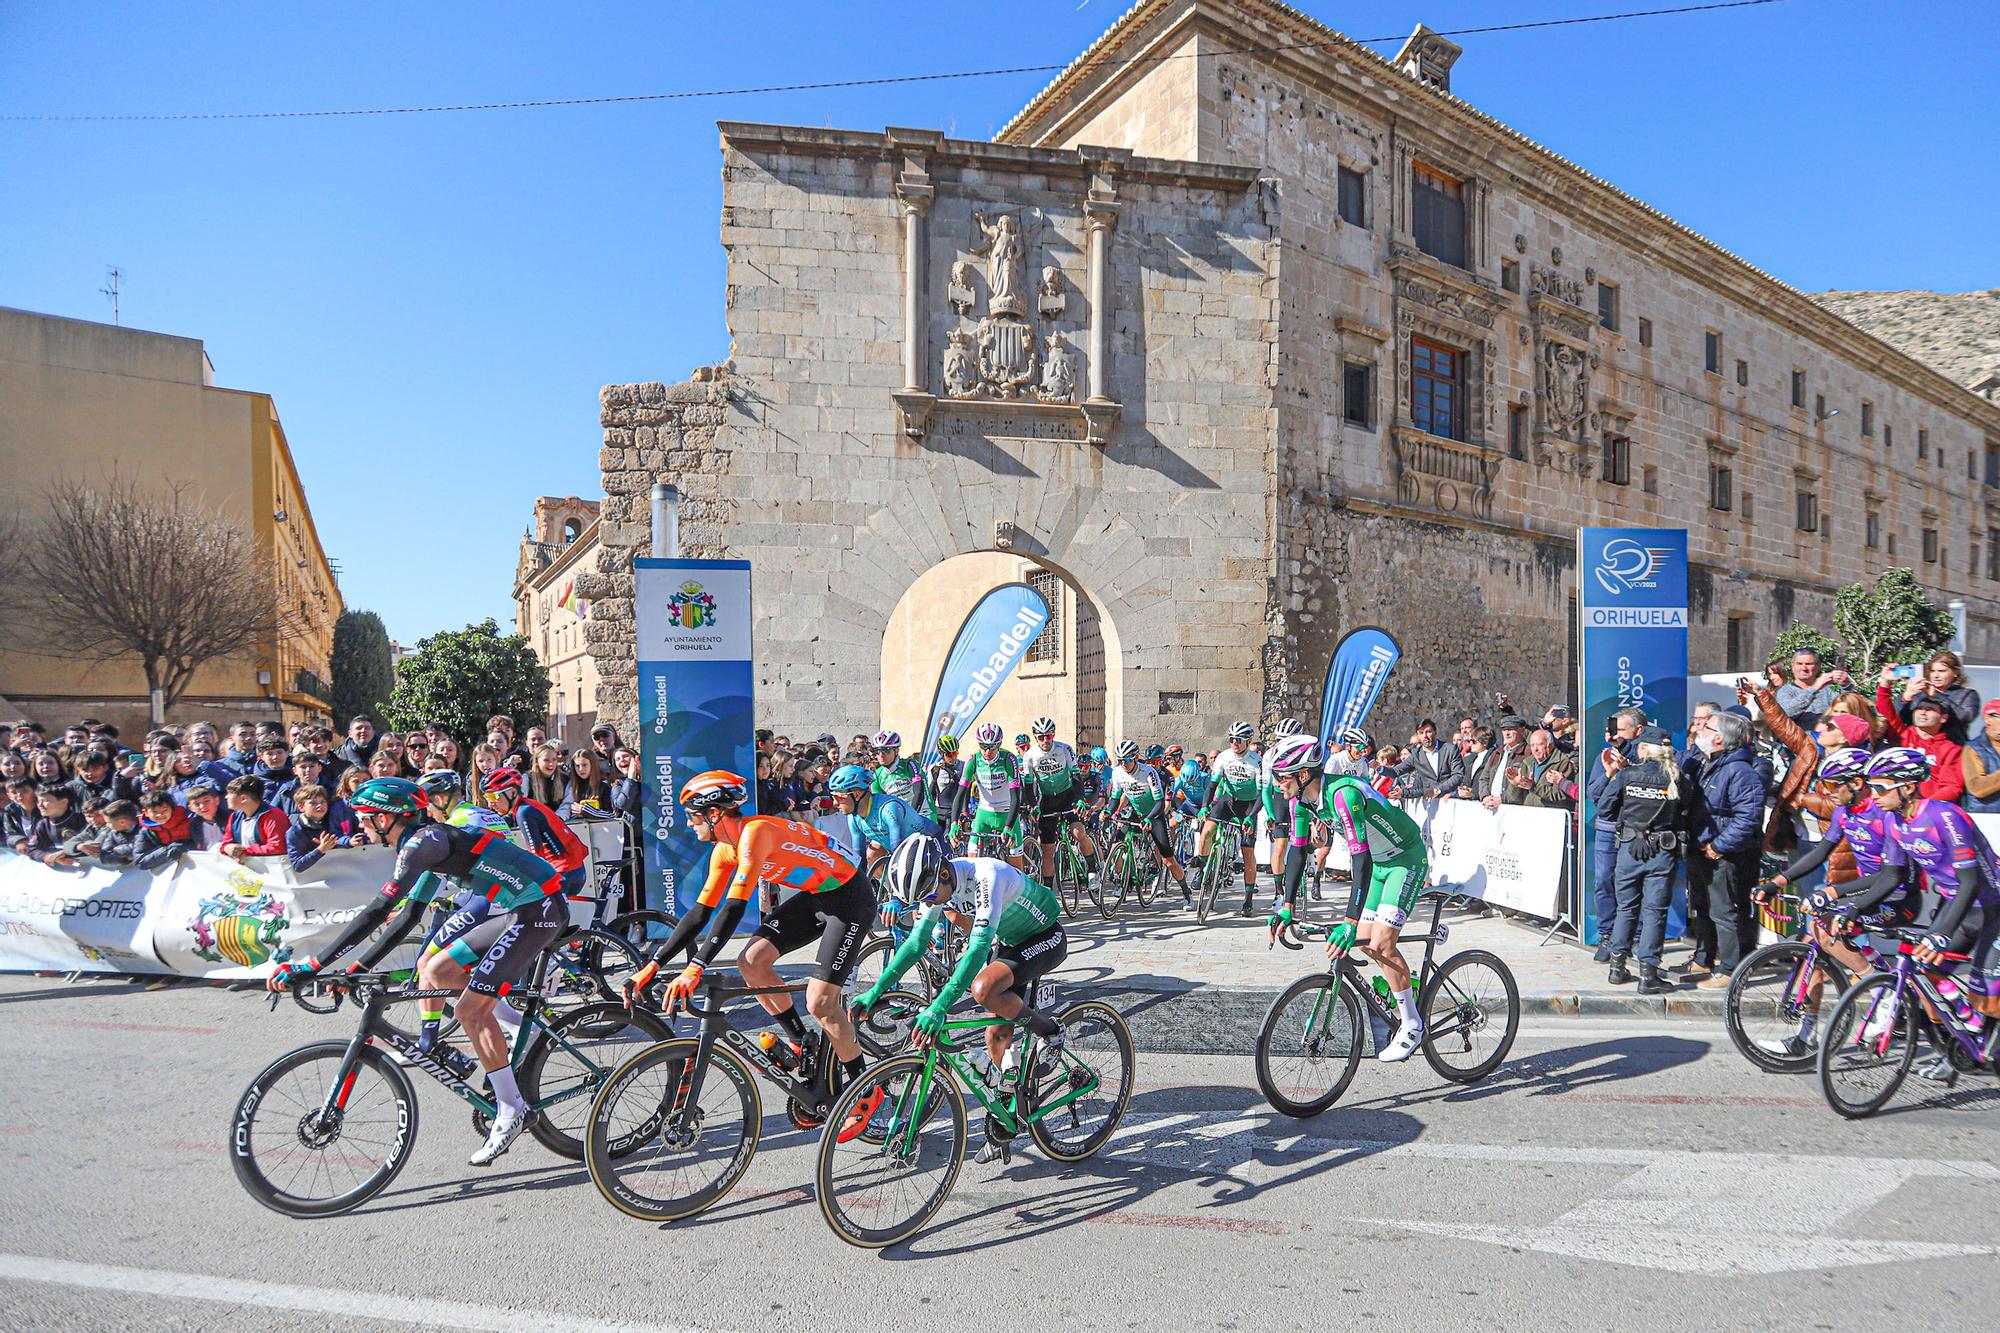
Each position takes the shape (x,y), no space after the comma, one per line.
(1721,485)
(1808,511)
(1353,197)
(1437,208)
(1047,646)
(1437,388)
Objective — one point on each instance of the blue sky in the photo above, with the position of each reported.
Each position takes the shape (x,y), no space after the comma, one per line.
(435,300)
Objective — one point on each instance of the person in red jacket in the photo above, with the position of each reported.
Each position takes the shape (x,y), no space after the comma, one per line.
(254,828)
(1925,731)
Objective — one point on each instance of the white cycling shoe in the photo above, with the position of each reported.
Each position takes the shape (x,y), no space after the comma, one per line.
(500,1138)
(1408,1038)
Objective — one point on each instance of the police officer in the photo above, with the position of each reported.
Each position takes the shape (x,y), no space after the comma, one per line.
(1645,804)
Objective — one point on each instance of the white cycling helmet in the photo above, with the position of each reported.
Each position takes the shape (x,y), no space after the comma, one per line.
(1354,738)
(915,868)
(1042,726)
(888,740)
(1127,750)
(1241,731)
(988,733)
(1288,726)
(1296,755)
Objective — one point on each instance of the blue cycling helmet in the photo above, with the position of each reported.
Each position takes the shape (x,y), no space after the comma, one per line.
(1844,765)
(1099,755)
(849,777)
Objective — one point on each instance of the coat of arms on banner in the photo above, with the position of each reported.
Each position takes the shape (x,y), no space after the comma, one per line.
(241,928)
(692,607)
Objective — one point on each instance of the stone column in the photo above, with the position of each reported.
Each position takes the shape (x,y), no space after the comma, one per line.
(915,198)
(1099,214)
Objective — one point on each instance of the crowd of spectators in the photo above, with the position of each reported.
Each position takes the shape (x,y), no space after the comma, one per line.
(85,796)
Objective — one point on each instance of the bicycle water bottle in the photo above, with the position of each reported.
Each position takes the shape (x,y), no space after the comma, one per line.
(1381,985)
(785,1054)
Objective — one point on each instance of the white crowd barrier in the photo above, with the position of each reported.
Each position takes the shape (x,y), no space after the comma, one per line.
(205,915)
(1516,856)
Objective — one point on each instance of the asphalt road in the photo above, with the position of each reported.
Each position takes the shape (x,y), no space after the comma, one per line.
(1616,1173)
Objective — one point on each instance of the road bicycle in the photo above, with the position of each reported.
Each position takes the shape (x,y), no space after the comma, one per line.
(1311,1041)
(325,1127)
(1871,1038)
(1773,991)
(1218,868)
(883,1185)
(1072,878)
(1133,865)
(692,1106)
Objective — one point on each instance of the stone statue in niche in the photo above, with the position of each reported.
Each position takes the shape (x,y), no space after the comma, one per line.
(1054,300)
(1565,386)
(1058,373)
(961,371)
(1004,250)
(959,293)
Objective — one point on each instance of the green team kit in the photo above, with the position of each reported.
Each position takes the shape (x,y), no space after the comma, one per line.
(1015,920)
(1386,844)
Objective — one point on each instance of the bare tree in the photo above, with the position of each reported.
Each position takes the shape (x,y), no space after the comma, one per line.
(116,573)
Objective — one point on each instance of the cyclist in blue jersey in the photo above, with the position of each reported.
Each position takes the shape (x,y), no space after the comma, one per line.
(872,821)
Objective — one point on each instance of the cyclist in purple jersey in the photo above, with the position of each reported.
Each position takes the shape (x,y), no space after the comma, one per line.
(1961,875)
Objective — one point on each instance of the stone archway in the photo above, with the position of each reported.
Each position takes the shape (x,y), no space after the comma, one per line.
(1071,673)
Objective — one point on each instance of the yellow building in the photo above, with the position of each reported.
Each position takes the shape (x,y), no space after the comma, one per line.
(560,543)
(80,401)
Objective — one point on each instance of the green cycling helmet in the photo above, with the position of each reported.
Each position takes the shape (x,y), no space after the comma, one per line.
(387,796)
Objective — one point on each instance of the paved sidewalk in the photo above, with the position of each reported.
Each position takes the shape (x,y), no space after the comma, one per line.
(1203,989)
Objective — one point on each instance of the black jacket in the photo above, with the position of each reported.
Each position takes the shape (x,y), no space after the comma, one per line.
(1649,821)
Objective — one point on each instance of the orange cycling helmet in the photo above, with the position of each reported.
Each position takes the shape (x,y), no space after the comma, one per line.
(716,789)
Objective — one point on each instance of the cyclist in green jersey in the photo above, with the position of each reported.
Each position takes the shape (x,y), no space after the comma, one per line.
(1389,860)
(1014,938)
(894,775)
(992,791)
(1140,789)
(1050,768)
(1233,798)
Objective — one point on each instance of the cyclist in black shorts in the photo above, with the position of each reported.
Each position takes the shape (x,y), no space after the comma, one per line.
(482,951)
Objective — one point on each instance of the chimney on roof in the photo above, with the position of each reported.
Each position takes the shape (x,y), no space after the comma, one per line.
(1428,58)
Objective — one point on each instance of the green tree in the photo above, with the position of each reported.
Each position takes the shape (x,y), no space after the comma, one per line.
(363,672)
(1892,622)
(1802,635)
(462,677)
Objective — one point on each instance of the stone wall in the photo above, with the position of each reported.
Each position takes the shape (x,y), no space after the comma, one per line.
(801,461)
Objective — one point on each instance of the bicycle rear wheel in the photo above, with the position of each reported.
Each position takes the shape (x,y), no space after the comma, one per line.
(1309,1046)
(1097,1060)
(660,1154)
(1768,999)
(1472,1010)
(890,1024)
(570,1061)
(1867,1047)
(642,929)
(1212,877)
(881,1186)
(296,1158)
(587,966)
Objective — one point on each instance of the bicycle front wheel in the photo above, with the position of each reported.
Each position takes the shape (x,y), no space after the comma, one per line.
(1095,1068)
(884,1184)
(1068,885)
(1768,999)
(890,1024)
(656,1149)
(1310,1045)
(571,1060)
(1867,1047)
(314,1135)
(1472,1010)
(588,966)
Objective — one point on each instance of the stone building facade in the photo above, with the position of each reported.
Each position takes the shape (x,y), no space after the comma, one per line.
(560,543)
(1252,336)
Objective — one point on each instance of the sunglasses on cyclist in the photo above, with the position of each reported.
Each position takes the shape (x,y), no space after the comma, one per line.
(1884,784)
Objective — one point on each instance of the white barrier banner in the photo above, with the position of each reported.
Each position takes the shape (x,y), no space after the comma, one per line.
(205,915)
(85,919)
(1511,857)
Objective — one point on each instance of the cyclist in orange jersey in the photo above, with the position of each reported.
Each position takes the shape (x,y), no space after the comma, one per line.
(811,887)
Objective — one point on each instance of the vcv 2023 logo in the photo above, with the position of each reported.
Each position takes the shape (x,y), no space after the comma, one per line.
(1625,566)
(691,607)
